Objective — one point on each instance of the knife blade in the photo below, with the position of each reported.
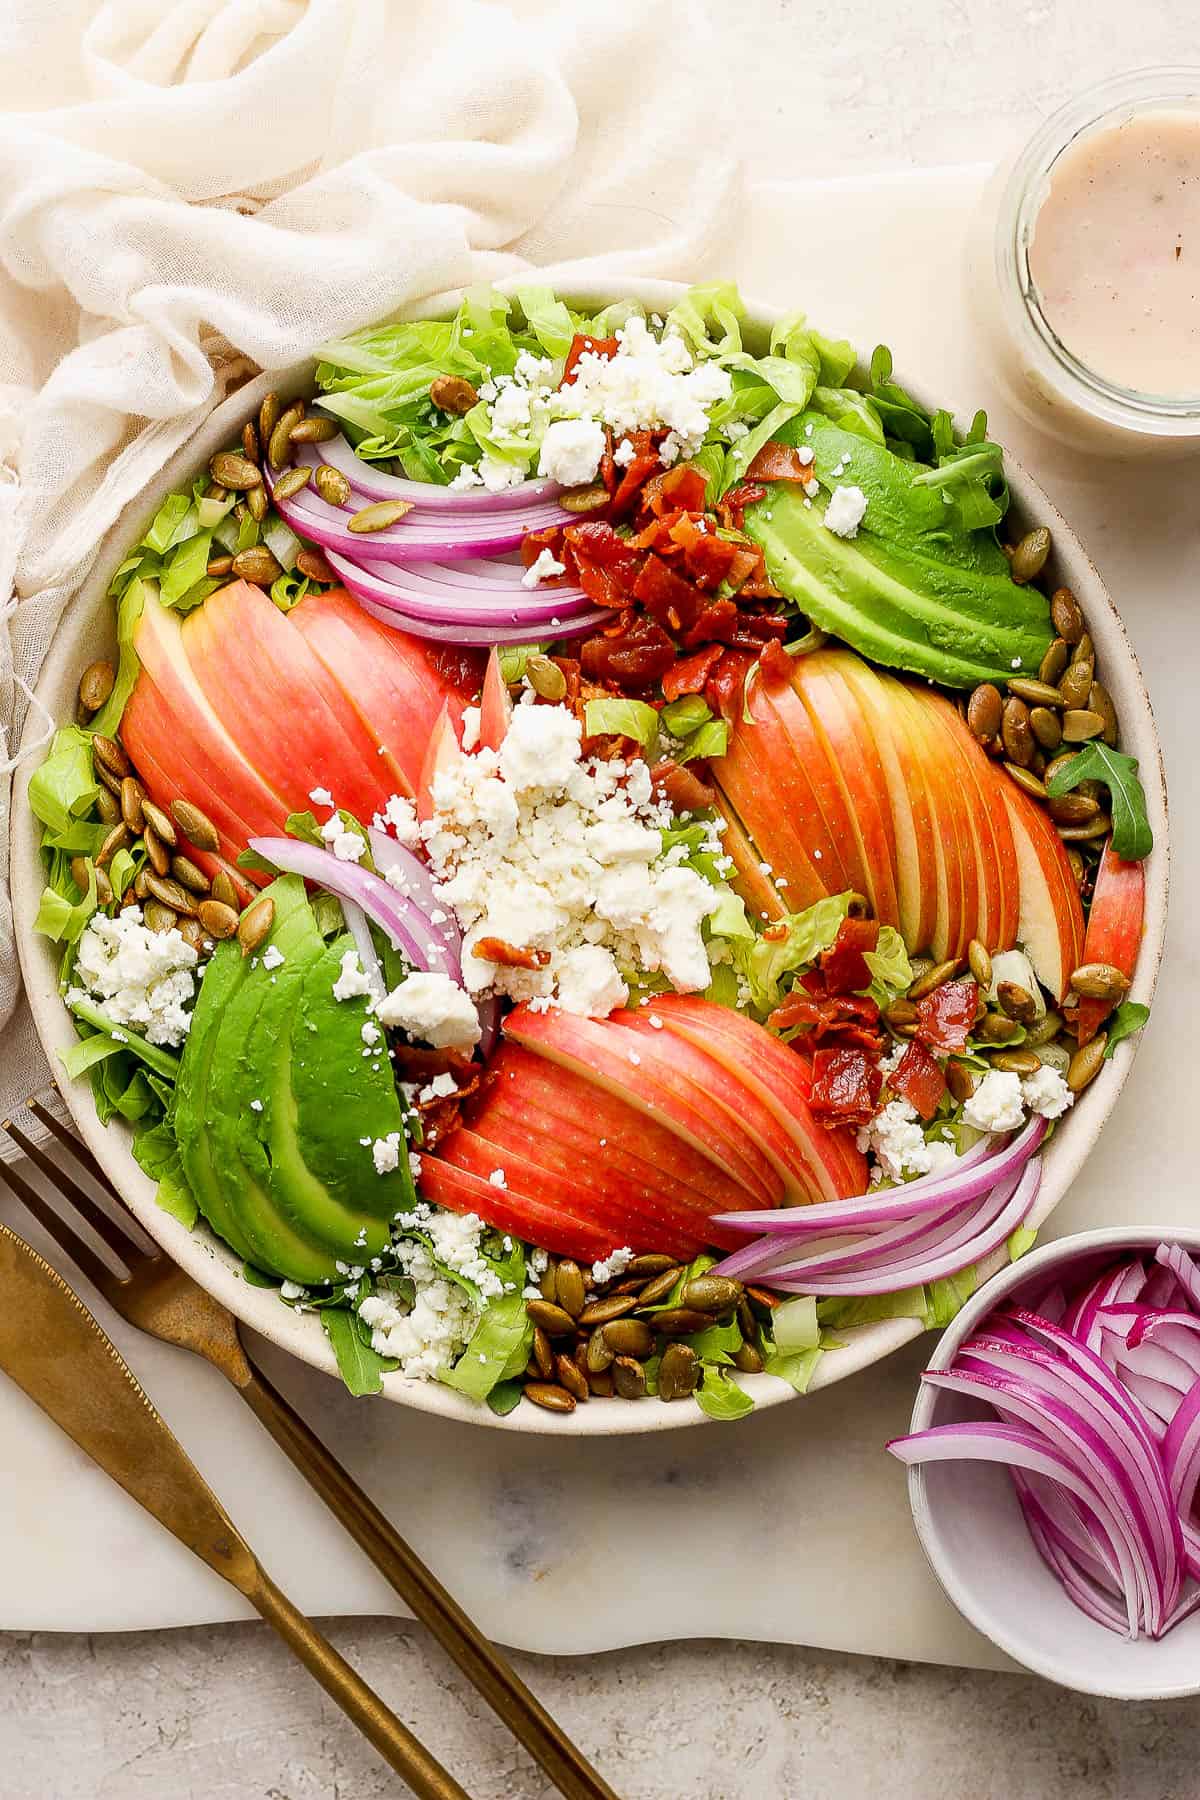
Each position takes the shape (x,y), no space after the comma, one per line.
(55,1351)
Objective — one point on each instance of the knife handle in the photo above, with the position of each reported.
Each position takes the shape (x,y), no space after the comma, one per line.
(377,1722)
(489,1672)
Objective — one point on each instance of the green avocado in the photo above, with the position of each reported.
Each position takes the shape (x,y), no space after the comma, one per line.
(914,589)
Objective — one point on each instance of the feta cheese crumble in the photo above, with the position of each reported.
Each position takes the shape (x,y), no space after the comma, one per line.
(1046,1093)
(433,1008)
(272,957)
(427,1336)
(614,1264)
(996,1104)
(347,846)
(140,977)
(353,980)
(896,1139)
(571,451)
(385,1153)
(545,565)
(844,513)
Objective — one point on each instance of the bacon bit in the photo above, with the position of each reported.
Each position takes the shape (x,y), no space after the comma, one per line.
(582,345)
(461,667)
(919,1080)
(691,672)
(775,665)
(510,956)
(607,567)
(569,666)
(681,488)
(847,1019)
(663,593)
(719,622)
(534,542)
(844,964)
(412,1064)
(764,1296)
(681,786)
(725,686)
(632,654)
(845,1087)
(945,1017)
(735,502)
(706,556)
(608,468)
(776,933)
(779,462)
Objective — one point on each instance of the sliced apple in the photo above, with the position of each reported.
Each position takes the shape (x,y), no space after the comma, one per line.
(443,751)
(460,1190)
(1114,931)
(995,853)
(748,880)
(954,840)
(766,787)
(280,703)
(1051,928)
(825,823)
(495,705)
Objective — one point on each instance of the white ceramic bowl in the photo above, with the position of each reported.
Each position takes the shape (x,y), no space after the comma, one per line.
(88,632)
(974,1536)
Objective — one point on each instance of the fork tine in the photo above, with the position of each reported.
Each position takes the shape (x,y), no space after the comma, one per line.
(119,1241)
(81,1254)
(76,1146)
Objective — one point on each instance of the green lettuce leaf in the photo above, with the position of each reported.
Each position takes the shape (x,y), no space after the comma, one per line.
(62,919)
(622,718)
(891,972)
(108,720)
(156,1151)
(64,787)
(767,962)
(720,1396)
(164,1062)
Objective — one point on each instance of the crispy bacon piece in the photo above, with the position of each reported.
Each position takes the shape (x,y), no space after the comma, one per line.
(779,462)
(607,568)
(775,665)
(725,686)
(412,1064)
(549,538)
(666,596)
(945,1017)
(582,345)
(706,556)
(632,654)
(679,489)
(851,1020)
(608,468)
(719,622)
(681,787)
(691,672)
(846,1084)
(844,964)
(919,1080)
(735,502)
(509,956)
(635,475)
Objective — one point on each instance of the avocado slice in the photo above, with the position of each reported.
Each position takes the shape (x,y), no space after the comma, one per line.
(907,592)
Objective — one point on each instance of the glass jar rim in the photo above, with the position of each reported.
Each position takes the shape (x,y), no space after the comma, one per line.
(1144,90)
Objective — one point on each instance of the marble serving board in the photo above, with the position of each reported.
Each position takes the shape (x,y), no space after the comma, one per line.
(792,1526)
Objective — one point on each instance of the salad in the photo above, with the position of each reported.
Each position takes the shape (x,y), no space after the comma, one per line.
(601,857)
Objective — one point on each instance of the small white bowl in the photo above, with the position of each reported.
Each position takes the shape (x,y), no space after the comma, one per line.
(974,1536)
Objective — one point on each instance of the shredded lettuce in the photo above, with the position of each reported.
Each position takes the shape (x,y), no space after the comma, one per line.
(62,919)
(622,718)
(891,972)
(64,788)
(768,961)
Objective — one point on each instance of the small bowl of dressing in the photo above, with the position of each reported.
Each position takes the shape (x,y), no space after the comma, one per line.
(1084,269)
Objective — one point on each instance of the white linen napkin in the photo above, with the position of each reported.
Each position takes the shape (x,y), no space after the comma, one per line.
(193,189)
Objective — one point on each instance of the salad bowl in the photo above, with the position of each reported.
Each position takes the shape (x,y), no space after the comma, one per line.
(89,634)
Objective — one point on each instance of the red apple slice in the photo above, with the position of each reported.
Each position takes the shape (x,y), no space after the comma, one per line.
(748,880)
(954,840)
(767,789)
(995,853)
(460,1191)
(1051,928)
(1114,931)
(825,821)
(443,751)
(495,705)
(596,1049)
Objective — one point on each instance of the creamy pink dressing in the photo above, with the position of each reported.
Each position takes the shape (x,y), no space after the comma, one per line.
(1115,256)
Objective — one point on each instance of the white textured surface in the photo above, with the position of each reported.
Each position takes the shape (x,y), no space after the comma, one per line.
(854,87)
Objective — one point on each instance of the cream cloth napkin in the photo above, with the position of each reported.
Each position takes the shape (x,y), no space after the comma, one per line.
(191,189)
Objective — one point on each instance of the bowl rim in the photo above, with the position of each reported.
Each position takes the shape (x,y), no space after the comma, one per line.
(963,1594)
(213,1264)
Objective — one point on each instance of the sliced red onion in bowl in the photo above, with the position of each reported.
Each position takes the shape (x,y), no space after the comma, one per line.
(482,603)
(482,634)
(377,484)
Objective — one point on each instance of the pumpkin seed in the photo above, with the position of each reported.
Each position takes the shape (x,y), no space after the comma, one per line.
(658,1287)
(1017,1002)
(219,566)
(545,677)
(1087,833)
(332,485)
(712,1294)
(188,875)
(549,1283)
(1072,809)
(1016,1062)
(131,804)
(314,430)
(258,504)
(79,873)
(1086,1063)
(682,1321)
(250,449)
(1029,557)
(599,1351)
(960,1081)
(110,756)
(979,963)
(158,821)
(542,1362)
(141,887)
(117,839)
(291,481)
(585,500)
(571,1377)
(108,806)
(1080,724)
(171,894)
(255,923)
(746,1320)
(237,473)
(156,851)
(933,978)
(553,1399)
(196,826)
(1100,981)
(452,394)
(629,1337)
(1045,727)
(600,1382)
(1015,734)
(95,685)
(1054,663)
(1043,1029)
(1061,762)
(192,932)
(1034,693)
(901,1015)
(985,709)
(996,1028)
(678,1372)
(279,443)
(653,1262)
(747,1360)
(268,416)
(219,921)
(379,516)
(159,917)
(609,1306)
(1065,615)
(570,1287)
(1076,685)
(1026,779)
(108,780)
(554,1321)
(257,565)
(1099,700)
(1084,649)
(629,1378)
(1078,866)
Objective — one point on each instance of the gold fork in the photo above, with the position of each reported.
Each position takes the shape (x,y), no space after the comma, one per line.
(155,1295)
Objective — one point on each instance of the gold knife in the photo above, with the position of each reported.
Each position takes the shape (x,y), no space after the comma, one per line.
(56,1352)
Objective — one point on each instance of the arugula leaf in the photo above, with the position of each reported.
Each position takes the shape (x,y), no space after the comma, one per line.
(360,1365)
(1132,837)
(504,1397)
(499,1348)
(1129,1018)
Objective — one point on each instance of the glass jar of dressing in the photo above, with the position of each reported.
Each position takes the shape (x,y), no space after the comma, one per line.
(1084,269)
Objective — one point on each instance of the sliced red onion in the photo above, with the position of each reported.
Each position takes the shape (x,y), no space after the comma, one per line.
(482,634)
(360,931)
(377,484)
(418,884)
(1176,1259)
(483,603)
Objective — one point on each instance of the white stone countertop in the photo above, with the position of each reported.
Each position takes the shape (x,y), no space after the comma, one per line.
(830,87)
